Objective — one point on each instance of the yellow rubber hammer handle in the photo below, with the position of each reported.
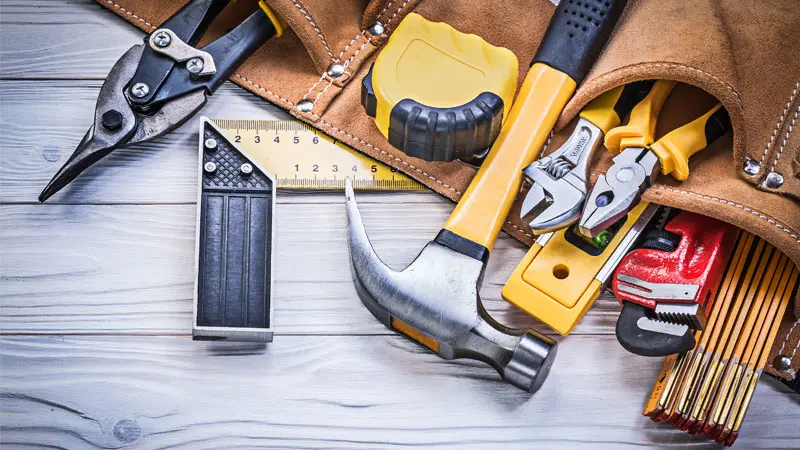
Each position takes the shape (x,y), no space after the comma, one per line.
(641,127)
(675,148)
(480,214)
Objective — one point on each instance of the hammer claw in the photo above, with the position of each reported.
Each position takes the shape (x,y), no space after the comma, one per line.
(434,301)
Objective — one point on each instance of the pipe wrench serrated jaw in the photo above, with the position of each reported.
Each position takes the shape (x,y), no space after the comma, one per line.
(435,302)
(559,181)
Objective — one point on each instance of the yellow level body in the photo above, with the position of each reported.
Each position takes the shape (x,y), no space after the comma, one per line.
(558,282)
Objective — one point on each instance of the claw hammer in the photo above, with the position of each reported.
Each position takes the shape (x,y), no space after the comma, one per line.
(434,301)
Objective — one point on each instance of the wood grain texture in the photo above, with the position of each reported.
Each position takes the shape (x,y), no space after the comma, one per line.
(96,288)
(335,392)
(129,269)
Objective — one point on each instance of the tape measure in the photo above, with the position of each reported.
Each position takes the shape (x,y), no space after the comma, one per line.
(301,157)
(439,94)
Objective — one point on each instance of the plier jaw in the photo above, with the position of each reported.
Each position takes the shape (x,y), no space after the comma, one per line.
(618,190)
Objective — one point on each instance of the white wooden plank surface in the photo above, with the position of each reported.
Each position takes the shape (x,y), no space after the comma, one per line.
(95,301)
(129,268)
(334,392)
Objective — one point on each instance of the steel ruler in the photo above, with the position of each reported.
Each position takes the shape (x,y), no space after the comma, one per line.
(301,157)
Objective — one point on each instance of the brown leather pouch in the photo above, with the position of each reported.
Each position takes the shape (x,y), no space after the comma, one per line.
(741,53)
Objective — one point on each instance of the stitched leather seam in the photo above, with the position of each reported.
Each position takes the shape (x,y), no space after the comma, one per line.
(785,139)
(397,11)
(385,8)
(781,119)
(314,86)
(792,233)
(387,154)
(260,88)
(352,41)
(349,60)
(322,92)
(314,26)
(110,2)
(519,229)
(673,65)
(786,340)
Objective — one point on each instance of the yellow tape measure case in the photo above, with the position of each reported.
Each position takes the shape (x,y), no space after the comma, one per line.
(439,94)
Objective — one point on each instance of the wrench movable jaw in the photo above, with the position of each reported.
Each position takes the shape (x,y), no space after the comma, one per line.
(559,181)
(435,302)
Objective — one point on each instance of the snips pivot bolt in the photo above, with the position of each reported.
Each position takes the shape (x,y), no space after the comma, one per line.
(774,180)
(751,167)
(305,106)
(162,39)
(195,65)
(209,167)
(140,90)
(112,120)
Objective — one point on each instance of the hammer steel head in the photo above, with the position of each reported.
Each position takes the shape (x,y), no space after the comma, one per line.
(435,302)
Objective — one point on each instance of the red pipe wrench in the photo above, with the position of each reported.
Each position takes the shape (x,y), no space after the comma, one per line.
(666,287)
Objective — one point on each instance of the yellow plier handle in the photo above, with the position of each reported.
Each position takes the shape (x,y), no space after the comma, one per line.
(675,148)
(641,127)
(609,109)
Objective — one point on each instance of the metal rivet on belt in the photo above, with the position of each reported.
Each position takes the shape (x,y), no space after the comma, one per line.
(751,166)
(335,70)
(377,29)
(774,180)
(210,167)
(305,106)
(246,169)
(782,363)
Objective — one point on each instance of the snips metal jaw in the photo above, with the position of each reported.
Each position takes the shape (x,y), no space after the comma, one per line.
(156,86)
(559,181)
(116,124)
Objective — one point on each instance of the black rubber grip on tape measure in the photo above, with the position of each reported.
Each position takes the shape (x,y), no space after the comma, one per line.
(439,134)
(577,33)
(446,134)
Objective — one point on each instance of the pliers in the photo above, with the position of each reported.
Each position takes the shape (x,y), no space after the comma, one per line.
(639,159)
(560,181)
(155,87)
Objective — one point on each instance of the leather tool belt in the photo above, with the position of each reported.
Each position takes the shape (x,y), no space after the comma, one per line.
(743,54)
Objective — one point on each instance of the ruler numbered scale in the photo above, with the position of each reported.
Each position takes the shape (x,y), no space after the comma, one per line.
(301,157)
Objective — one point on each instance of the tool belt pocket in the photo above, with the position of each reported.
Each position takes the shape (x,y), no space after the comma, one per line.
(738,54)
(744,56)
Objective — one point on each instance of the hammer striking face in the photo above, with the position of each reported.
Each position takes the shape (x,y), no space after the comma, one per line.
(435,302)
